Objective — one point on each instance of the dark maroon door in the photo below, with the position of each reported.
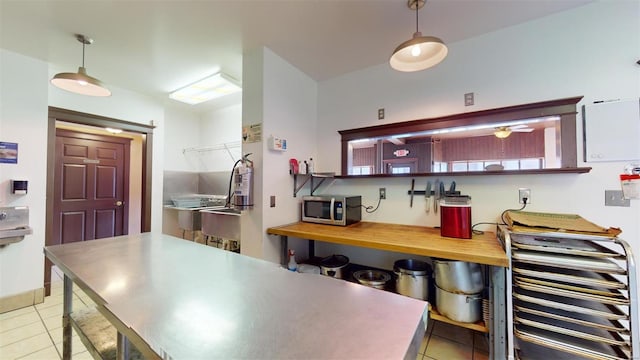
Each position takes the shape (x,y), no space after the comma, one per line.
(91,186)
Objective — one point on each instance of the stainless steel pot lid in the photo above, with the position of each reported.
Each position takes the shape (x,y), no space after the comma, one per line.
(334,261)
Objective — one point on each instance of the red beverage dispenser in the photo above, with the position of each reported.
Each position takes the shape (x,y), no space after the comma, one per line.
(455,217)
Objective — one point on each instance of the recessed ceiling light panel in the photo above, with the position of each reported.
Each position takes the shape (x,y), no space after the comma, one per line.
(209,88)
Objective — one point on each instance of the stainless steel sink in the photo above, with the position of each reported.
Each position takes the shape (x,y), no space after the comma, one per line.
(189,218)
(222,222)
(14,224)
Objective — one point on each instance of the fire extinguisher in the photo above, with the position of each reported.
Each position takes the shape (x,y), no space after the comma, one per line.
(243,183)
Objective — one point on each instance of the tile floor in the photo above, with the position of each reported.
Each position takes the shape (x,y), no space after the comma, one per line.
(35,332)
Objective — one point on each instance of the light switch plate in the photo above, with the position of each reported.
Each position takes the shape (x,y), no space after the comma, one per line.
(615,198)
(272,201)
(468,99)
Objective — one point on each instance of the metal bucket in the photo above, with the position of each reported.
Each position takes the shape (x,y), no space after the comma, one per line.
(458,277)
(466,308)
(334,266)
(413,278)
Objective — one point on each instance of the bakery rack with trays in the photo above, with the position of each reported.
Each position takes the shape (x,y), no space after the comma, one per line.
(571,296)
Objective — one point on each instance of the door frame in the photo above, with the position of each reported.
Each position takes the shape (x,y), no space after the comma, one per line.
(411,162)
(70,116)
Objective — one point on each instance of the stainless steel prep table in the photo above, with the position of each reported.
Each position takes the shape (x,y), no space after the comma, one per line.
(176,299)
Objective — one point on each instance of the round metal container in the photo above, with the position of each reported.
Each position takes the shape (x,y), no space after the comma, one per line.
(412,278)
(308,269)
(372,278)
(458,277)
(334,265)
(466,308)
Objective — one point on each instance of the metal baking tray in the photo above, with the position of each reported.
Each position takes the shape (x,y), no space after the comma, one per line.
(571,277)
(538,337)
(561,242)
(571,294)
(555,314)
(596,251)
(577,306)
(570,332)
(570,287)
(568,261)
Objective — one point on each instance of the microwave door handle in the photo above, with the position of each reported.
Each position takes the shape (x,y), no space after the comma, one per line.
(331,209)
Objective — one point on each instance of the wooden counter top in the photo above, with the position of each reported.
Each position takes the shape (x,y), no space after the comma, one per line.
(417,240)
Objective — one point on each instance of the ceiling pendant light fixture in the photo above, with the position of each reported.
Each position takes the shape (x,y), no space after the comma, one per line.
(419,52)
(502,132)
(80,82)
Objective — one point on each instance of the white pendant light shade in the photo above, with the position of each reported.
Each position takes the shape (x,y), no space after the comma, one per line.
(419,53)
(80,82)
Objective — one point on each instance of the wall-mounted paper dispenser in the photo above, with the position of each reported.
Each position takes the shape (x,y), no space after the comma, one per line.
(19,187)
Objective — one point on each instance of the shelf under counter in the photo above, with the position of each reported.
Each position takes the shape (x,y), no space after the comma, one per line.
(390,286)
(409,239)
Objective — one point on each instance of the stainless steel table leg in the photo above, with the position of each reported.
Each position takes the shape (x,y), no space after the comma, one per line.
(284,247)
(498,328)
(67,298)
(122,352)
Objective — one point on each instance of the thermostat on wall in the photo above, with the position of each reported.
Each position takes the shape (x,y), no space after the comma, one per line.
(278,144)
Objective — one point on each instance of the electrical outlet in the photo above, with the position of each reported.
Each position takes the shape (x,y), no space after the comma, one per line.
(381,114)
(468,99)
(383,193)
(615,198)
(524,193)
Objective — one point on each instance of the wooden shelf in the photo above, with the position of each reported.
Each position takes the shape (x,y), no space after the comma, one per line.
(477,326)
(391,287)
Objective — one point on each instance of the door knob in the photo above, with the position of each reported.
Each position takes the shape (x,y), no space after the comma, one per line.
(119,203)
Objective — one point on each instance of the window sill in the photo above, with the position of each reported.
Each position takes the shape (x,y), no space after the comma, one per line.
(577,170)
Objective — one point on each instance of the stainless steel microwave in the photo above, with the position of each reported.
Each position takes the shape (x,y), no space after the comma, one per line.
(332,209)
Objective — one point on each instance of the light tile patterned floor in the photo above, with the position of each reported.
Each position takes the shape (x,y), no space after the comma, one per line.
(35,332)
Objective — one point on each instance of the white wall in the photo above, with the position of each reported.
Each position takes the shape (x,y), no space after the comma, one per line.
(588,51)
(25,97)
(182,129)
(23,119)
(220,127)
(284,100)
(199,131)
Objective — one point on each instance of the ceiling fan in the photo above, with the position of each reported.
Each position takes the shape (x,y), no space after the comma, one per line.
(504,131)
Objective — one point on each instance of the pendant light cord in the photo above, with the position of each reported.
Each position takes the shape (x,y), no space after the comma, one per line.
(417,7)
(83,45)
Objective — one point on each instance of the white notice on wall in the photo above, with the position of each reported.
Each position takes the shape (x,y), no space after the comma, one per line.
(252,133)
(611,131)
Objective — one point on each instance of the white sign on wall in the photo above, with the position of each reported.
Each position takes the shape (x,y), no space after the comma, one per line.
(252,133)
(611,130)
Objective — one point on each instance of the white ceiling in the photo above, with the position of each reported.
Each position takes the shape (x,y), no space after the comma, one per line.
(154,47)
